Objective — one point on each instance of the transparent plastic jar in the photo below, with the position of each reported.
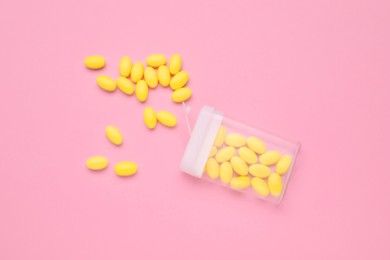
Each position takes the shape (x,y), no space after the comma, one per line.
(257,176)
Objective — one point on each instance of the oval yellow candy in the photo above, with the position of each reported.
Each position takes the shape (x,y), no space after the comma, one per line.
(226,172)
(164,77)
(114,135)
(179,80)
(275,184)
(284,164)
(125,169)
(235,140)
(150,117)
(240,182)
(239,165)
(270,157)
(95,62)
(256,145)
(150,76)
(221,135)
(96,163)
(125,66)
(106,83)
(247,155)
(212,168)
(260,187)
(181,95)
(166,118)
(225,154)
(137,72)
(141,90)
(175,64)
(156,60)
(259,170)
(213,151)
(125,85)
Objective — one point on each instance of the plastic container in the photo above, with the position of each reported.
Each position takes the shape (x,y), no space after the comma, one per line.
(202,141)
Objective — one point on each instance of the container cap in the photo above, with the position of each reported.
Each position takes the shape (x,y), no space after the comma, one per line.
(201,141)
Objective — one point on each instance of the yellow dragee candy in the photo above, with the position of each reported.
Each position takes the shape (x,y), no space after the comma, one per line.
(95,62)
(125,169)
(275,184)
(150,117)
(284,164)
(164,76)
(256,145)
(213,151)
(156,60)
(270,157)
(226,172)
(239,165)
(212,168)
(141,90)
(175,64)
(225,154)
(259,170)
(260,187)
(220,138)
(247,155)
(137,72)
(106,83)
(179,80)
(125,85)
(240,182)
(114,135)
(181,95)
(150,76)
(235,140)
(166,118)
(96,163)
(125,66)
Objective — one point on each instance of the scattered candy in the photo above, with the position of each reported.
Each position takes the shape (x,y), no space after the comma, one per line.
(125,66)
(125,169)
(150,76)
(97,163)
(106,83)
(136,78)
(150,118)
(114,135)
(175,64)
(181,95)
(137,72)
(166,118)
(179,80)
(141,90)
(95,62)
(125,85)
(156,60)
(164,76)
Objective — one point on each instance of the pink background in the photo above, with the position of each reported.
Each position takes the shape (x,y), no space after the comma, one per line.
(313,71)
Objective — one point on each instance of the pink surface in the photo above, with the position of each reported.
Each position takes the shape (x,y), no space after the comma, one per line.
(314,71)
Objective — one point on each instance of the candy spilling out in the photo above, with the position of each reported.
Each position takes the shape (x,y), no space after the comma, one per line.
(135,78)
(243,162)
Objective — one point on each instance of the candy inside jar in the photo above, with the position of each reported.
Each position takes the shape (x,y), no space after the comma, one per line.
(242,158)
